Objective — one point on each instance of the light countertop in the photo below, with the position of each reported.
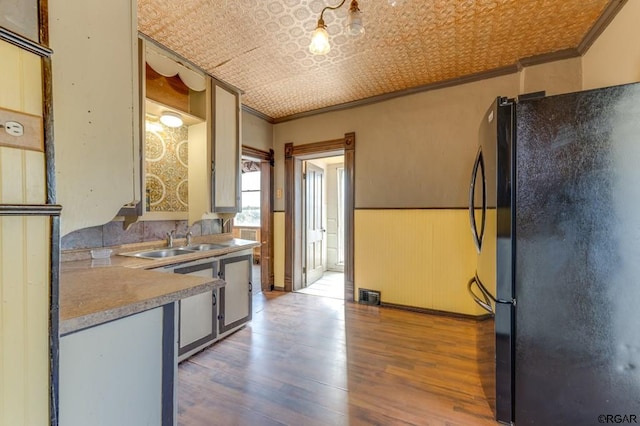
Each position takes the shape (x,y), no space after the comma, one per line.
(93,292)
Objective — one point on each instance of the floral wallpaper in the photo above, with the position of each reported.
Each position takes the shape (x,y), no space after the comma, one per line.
(166,162)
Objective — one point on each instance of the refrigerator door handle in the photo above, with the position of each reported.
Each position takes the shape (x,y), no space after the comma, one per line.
(477,236)
(488,294)
(484,301)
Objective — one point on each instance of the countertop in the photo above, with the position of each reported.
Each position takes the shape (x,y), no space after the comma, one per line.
(93,292)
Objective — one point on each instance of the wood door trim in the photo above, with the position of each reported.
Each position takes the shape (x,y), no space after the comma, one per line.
(248,151)
(292,211)
(266,214)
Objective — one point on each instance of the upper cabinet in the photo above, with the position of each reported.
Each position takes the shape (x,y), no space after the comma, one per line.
(214,170)
(96,100)
(226,150)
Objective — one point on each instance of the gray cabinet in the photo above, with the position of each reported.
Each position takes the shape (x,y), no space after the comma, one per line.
(235,305)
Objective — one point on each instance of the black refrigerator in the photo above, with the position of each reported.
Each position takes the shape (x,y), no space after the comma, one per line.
(554,205)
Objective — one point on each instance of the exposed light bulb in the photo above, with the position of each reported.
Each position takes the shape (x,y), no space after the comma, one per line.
(320,40)
(354,23)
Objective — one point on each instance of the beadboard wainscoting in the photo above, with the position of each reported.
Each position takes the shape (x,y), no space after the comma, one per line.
(416,258)
(24,255)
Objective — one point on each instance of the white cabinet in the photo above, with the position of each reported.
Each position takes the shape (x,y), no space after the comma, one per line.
(226,150)
(235,306)
(96,103)
(121,372)
(214,163)
(197,314)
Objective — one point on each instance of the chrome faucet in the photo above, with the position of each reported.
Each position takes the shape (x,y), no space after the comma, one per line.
(189,236)
(170,236)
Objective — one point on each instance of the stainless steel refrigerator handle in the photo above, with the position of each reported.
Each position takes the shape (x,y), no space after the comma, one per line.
(477,237)
(484,302)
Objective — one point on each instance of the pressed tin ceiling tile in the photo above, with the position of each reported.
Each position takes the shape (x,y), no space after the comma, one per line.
(261,46)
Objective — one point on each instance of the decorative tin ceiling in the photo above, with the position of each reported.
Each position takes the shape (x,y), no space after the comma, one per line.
(261,46)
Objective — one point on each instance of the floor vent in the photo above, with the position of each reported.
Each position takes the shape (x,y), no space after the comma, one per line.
(369,297)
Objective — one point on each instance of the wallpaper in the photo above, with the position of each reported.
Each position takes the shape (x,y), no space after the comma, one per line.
(166,163)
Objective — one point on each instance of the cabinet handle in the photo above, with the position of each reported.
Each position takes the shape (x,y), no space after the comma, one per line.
(250,287)
(215,300)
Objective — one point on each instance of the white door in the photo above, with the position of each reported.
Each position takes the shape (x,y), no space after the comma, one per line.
(314,246)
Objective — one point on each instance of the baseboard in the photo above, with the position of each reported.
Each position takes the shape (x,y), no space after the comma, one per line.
(436,312)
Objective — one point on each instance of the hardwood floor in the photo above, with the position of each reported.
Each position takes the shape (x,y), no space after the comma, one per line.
(296,365)
(331,284)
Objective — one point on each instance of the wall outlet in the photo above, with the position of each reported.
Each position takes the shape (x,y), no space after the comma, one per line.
(14,128)
(21,130)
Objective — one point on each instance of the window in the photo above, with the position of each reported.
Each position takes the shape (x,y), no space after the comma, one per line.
(250,214)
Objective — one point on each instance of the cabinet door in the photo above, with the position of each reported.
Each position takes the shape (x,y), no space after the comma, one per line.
(235,296)
(225,152)
(197,313)
(112,374)
(196,321)
(96,103)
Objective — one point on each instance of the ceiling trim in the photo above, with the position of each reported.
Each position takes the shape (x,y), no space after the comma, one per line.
(265,117)
(498,72)
(548,57)
(599,26)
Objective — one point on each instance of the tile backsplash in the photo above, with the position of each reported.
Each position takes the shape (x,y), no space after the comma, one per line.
(114,234)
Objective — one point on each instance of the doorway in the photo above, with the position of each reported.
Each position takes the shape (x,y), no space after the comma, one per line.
(295,155)
(323,228)
(255,221)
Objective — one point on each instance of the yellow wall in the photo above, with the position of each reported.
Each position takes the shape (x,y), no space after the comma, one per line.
(419,258)
(24,257)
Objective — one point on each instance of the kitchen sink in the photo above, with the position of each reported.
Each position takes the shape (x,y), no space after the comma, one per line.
(202,247)
(162,253)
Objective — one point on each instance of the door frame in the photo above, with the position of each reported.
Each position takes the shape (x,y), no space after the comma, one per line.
(293,157)
(266,213)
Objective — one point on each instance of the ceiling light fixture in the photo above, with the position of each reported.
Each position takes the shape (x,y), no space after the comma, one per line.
(320,38)
(171,119)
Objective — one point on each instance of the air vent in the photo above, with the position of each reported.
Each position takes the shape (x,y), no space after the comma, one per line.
(249,234)
(369,297)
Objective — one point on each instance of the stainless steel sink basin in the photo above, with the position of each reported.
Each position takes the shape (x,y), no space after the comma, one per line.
(203,247)
(162,253)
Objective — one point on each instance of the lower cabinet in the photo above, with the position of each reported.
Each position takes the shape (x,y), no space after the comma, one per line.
(197,314)
(121,372)
(235,305)
(206,317)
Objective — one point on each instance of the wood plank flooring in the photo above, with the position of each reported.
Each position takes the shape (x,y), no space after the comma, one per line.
(331,284)
(295,364)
